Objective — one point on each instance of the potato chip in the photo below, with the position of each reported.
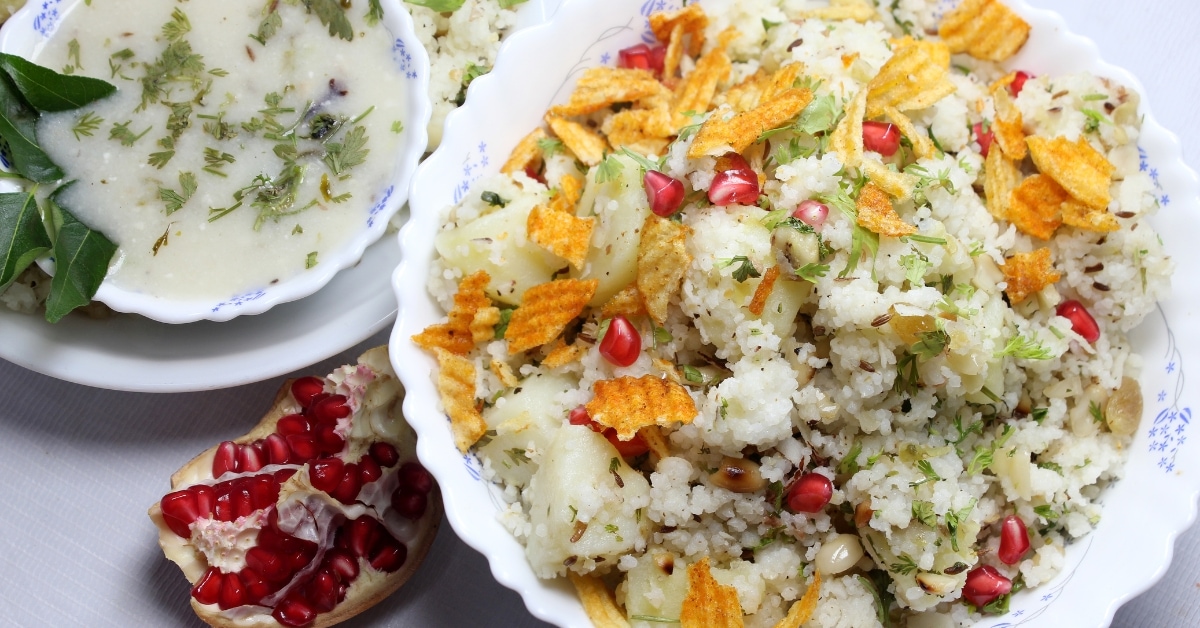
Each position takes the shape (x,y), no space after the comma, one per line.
(783,79)
(1028,273)
(546,310)
(922,146)
(456,385)
(585,144)
(571,189)
(708,603)
(526,154)
(763,290)
(877,215)
(662,261)
(1003,81)
(628,404)
(562,354)
(674,53)
(598,602)
(483,324)
(695,93)
(745,95)
(693,20)
(603,86)
(643,131)
(656,441)
(1000,178)
(899,185)
(1077,214)
(984,29)
(560,232)
(857,10)
(1079,168)
(457,334)
(504,373)
(718,136)
(915,77)
(847,139)
(1008,126)
(628,303)
(802,610)
(1035,206)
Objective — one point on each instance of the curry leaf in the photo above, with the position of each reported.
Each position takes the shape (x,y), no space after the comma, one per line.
(81,257)
(22,235)
(18,127)
(47,90)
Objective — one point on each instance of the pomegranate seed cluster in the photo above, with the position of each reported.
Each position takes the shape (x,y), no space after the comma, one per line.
(285,523)
(854,325)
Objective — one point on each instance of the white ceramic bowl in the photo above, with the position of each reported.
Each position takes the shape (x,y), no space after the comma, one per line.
(1128,551)
(36,22)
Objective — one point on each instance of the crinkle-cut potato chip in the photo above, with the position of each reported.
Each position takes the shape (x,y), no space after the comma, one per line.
(570,191)
(1080,169)
(674,53)
(745,95)
(628,404)
(915,77)
(1035,206)
(693,19)
(562,354)
(857,10)
(783,79)
(1028,273)
(603,86)
(1077,214)
(847,139)
(1009,125)
(560,232)
(898,184)
(1003,81)
(457,334)
(802,609)
(585,144)
(527,152)
(718,136)
(922,146)
(456,385)
(1000,178)
(504,373)
(984,29)
(546,310)
(598,602)
(643,131)
(695,93)
(628,303)
(708,603)
(877,214)
(483,325)
(763,290)
(662,261)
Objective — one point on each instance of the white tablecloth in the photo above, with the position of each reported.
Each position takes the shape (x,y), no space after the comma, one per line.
(79,466)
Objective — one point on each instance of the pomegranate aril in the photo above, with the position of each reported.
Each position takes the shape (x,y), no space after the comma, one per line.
(384,453)
(179,511)
(1014,540)
(330,408)
(232,592)
(881,137)
(328,439)
(323,592)
(368,470)
(984,137)
(621,344)
(408,503)
(278,451)
(1018,82)
(347,490)
(631,448)
(985,584)
(361,535)
(294,611)
(1082,322)
(206,500)
(732,186)
(283,475)
(249,459)
(267,563)
(207,589)
(225,458)
(810,493)
(414,476)
(224,510)
(293,424)
(664,193)
(325,474)
(304,447)
(255,586)
(243,502)
(812,213)
(390,556)
(305,388)
(642,57)
(264,490)
(341,564)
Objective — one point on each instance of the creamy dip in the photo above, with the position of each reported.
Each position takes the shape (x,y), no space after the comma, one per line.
(188,166)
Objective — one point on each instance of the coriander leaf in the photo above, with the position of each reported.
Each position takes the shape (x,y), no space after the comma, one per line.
(927,471)
(923,511)
(374,12)
(18,127)
(502,324)
(609,169)
(87,125)
(310,260)
(819,116)
(904,565)
(508,4)
(81,257)
(442,6)
(550,146)
(1025,348)
(471,73)
(813,271)
(642,161)
(745,269)
(22,235)
(849,464)
(350,152)
(47,90)
(331,14)
(930,344)
(268,27)
(915,267)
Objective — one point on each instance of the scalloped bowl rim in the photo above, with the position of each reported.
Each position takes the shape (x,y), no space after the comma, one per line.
(17,33)
(1142,560)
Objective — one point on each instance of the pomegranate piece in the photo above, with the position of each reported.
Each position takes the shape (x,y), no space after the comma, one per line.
(881,137)
(1018,82)
(810,493)
(735,182)
(631,448)
(1082,322)
(984,138)
(642,57)
(241,527)
(621,343)
(1014,540)
(664,193)
(984,585)
(812,213)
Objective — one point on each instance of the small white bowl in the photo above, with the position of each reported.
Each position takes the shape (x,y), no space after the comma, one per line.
(1143,513)
(35,23)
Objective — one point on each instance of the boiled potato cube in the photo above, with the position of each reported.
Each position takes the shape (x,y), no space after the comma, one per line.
(620,207)
(525,421)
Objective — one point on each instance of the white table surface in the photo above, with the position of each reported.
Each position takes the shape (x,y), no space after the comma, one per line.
(79,466)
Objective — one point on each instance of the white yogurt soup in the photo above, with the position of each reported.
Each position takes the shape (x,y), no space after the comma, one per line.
(245,142)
